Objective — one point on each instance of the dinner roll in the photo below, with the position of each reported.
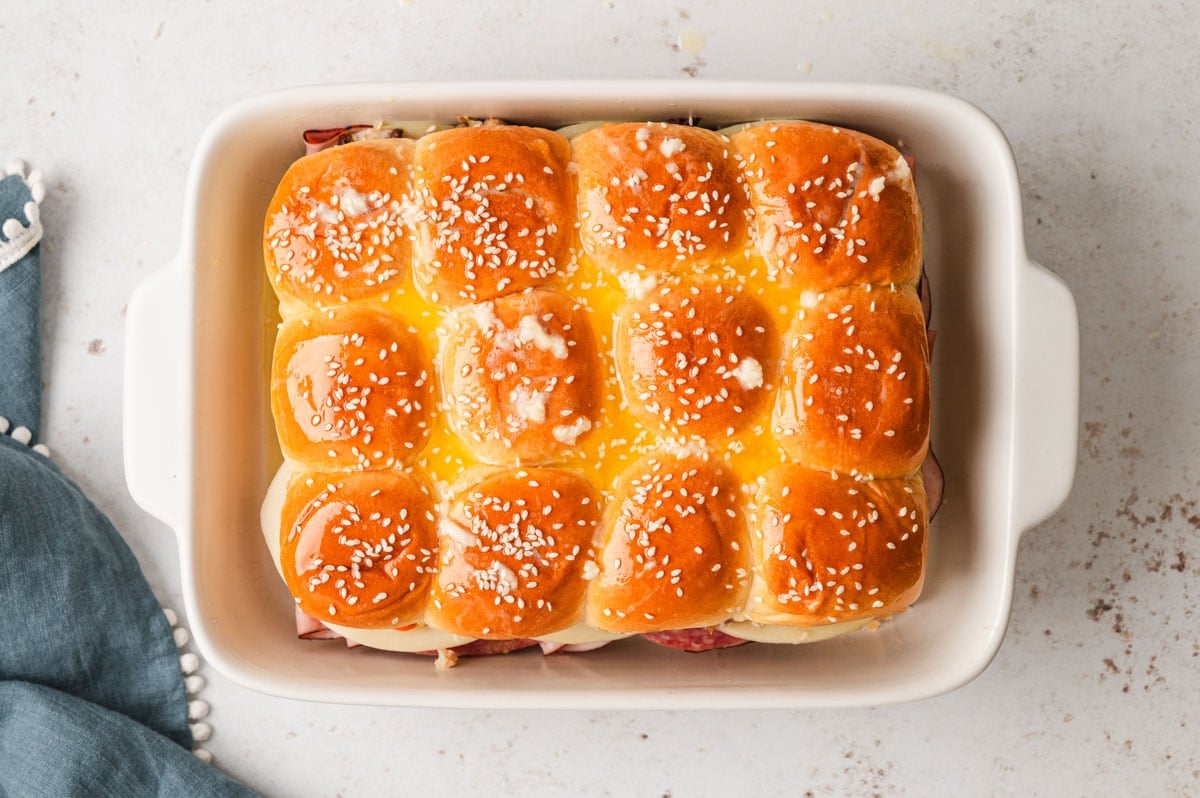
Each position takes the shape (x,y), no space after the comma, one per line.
(657,196)
(516,549)
(495,211)
(854,391)
(674,551)
(696,357)
(833,207)
(334,230)
(831,550)
(351,388)
(358,549)
(521,376)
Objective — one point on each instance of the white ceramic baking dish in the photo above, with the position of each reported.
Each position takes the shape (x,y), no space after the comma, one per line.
(200,448)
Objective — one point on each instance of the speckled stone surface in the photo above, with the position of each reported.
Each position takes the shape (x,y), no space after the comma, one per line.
(1094,691)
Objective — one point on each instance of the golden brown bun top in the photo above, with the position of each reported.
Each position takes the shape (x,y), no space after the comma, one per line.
(351,387)
(854,396)
(358,549)
(833,207)
(515,544)
(334,230)
(521,376)
(675,551)
(657,196)
(830,550)
(698,357)
(495,211)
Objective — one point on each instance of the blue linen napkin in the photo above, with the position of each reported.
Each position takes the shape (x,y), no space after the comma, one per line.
(92,699)
(20,290)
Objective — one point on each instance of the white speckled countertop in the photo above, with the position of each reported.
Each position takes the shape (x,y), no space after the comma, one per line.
(1094,691)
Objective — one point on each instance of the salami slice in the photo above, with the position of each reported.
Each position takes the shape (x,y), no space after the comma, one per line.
(705,638)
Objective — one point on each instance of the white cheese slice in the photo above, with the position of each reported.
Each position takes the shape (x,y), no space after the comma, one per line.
(580,634)
(789,634)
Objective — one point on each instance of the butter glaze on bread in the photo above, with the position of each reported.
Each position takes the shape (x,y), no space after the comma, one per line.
(656,196)
(495,212)
(335,229)
(833,207)
(359,549)
(674,551)
(515,549)
(831,550)
(520,376)
(697,357)
(854,395)
(351,388)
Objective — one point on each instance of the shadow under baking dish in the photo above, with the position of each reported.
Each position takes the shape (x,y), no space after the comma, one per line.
(241,612)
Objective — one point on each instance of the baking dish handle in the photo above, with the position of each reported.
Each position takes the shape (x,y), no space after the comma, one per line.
(1046,395)
(158,394)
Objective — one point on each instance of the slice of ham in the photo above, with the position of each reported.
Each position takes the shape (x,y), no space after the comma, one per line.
(309,628)
(931,470)
(317,140)
(926,297)
(935,483)
(705,638)
(927,308)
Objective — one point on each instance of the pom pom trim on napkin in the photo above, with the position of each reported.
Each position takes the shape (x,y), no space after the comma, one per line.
(20,237)
(193,683)
(23,436)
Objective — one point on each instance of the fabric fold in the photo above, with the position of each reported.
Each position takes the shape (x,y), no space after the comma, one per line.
(53,744)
